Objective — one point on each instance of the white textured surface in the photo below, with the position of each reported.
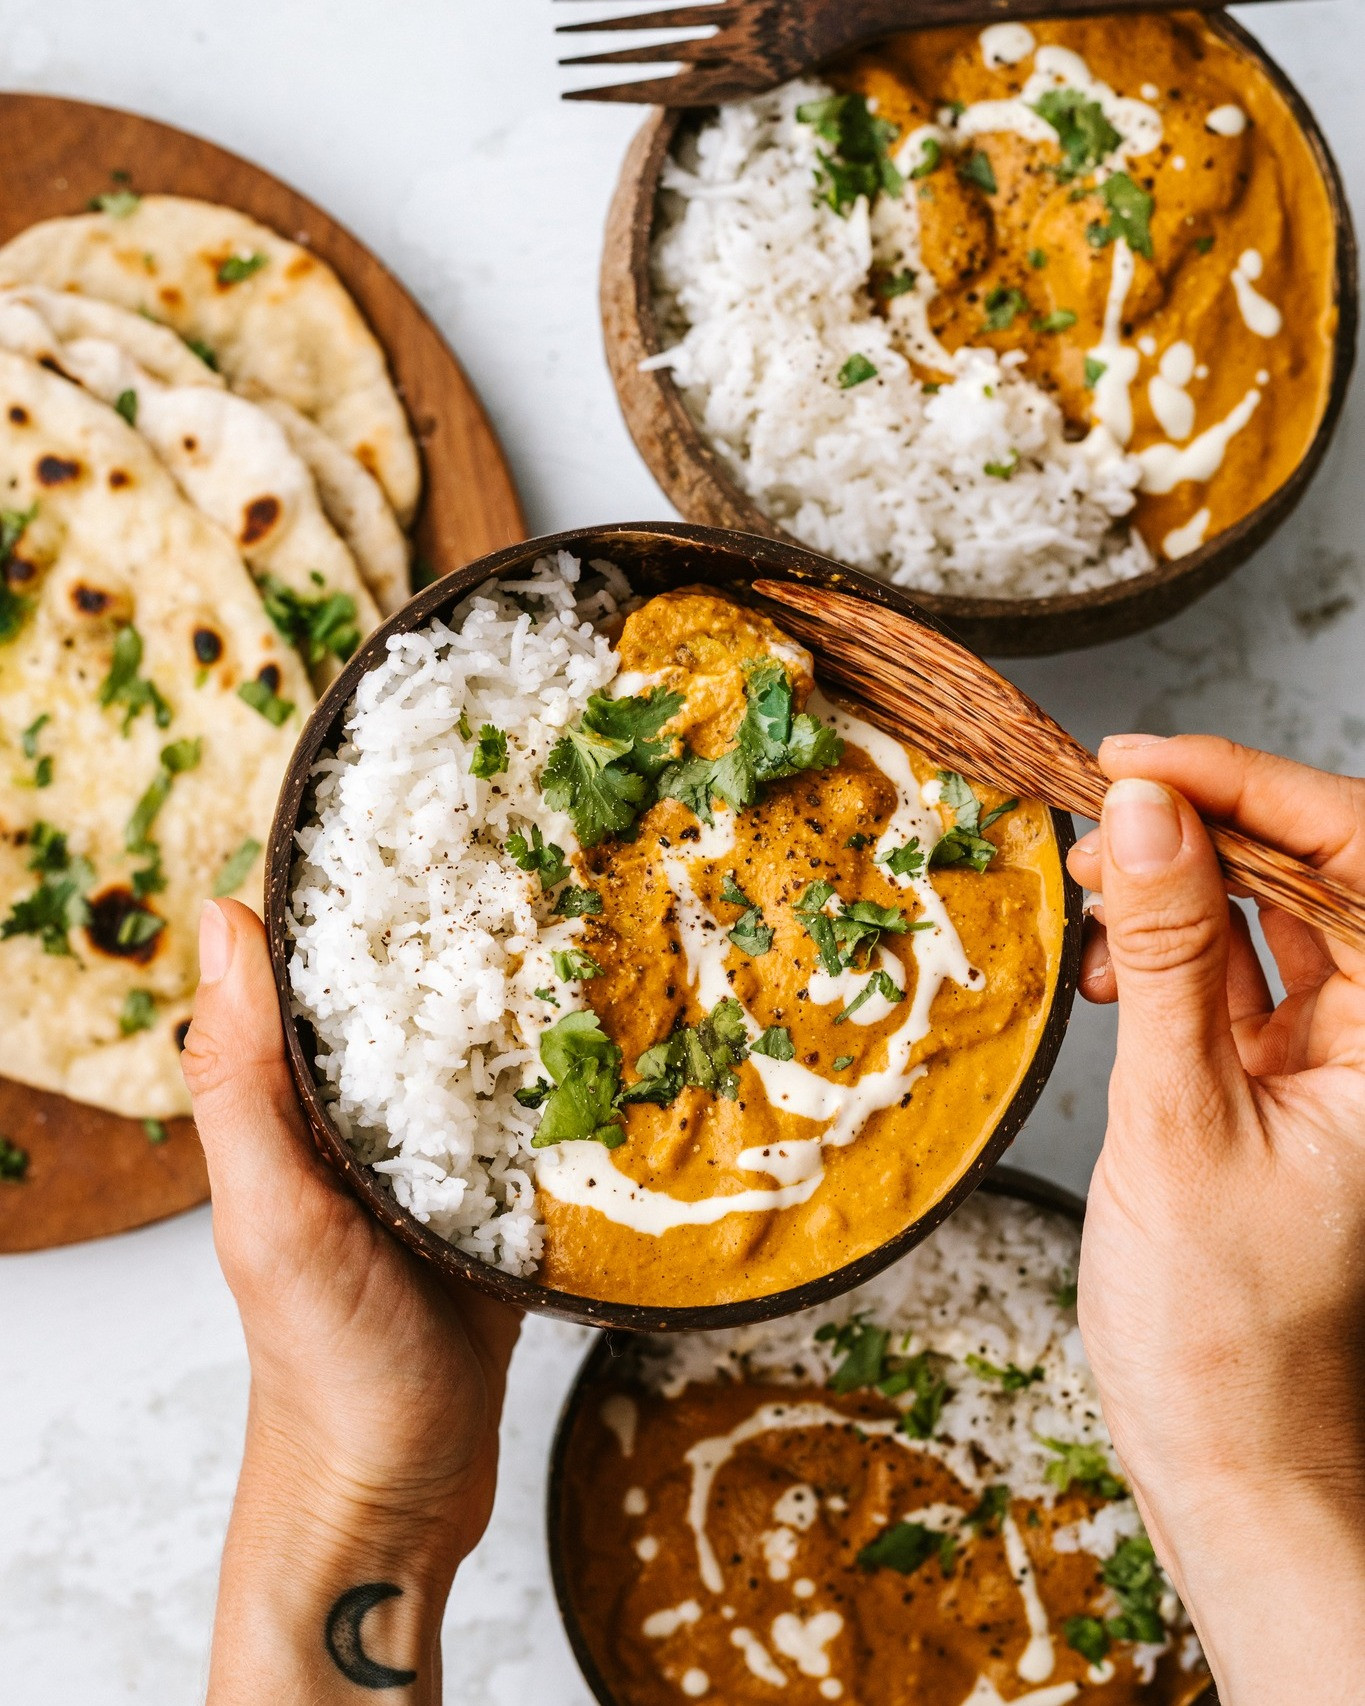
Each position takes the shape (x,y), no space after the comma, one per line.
(432,128)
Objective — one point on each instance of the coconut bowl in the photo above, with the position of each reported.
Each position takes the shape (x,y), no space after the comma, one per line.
(654,557)
(697,481)
(597,1369)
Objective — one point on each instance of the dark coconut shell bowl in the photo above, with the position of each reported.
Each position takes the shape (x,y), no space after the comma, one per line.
(603,1364)
(698,482)
(654,557)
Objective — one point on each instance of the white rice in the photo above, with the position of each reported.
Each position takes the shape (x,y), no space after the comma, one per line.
(765,292)
(417,942)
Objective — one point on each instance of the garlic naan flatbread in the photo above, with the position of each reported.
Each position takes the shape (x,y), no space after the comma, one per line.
(270,313)
(148,709)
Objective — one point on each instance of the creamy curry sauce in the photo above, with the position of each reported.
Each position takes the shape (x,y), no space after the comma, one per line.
(1217,350)
(813,1164)
(754,1593)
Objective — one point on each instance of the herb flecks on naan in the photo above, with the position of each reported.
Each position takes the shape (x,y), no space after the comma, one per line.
(148,707)
(266,310)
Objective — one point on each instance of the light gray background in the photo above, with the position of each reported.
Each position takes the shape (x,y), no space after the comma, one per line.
(433,129)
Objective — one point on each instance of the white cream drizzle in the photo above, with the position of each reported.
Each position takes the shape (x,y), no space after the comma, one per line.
(778,1546)
(1180,541)
(759,1660)
(831,1688)
(1005,44)
(1038,1660)
(621,1414)
(1261,315)
(1137,122)
(804,1642)
(584,1175)
(1113,405)
(659,1625)
(1164,466)
(695,1683)
(636,1501)
(798,1507)
(987,1694)
(1171,402)
(647,1548)
(1227,120)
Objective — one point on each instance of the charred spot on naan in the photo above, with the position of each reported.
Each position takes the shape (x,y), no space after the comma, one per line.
(57,470)
(208,646)
(18,415)
(258,518)
(119,479)
(90,600)
(124,927)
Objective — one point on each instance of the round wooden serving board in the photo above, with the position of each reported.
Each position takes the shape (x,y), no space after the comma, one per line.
(91,1173)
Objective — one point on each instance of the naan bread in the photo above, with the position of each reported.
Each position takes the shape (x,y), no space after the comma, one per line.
(352,499)
(229,458)
(115,555)
(271,313)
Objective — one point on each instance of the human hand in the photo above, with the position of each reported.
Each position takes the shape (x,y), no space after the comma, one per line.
(376,1388)
(1222,1283)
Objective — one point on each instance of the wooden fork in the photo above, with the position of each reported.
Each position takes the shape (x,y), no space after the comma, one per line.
(921,686)
(757,44)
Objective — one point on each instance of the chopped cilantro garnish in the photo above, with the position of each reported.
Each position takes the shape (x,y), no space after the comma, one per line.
(605,770)
(1059,320)
(895,283)
(203,351)
(136,928)
(1130,214)
(1094,371)
(574,902)
(585,1066)
(841,1062)
(857,370)
(29,739)
(235,867)
(863,1348)
(880,983)
(732,894)
(930,157)
(179,756)
(776,1042)
(237,267)
(124,686)
(1037,259)
(860,164)
(1085,134)
(490,753)
(546,995)
(859,841)
(1010,1378)
(1086,1465)
(464,726)
(993,1504)
(126,405)
(866,1364)
(572,964)
(14,608)
(1002,306)
(849,937)
(1203,244)
(139,1012)
(1088,1637)
(118,204)
(58,905)
(264,699)
(964,843)
(1133,1574)
(538,855)
(975,168)
(749,934)
(1003,470)
(703,1055)
(534,1095)
(905,1546)
(13,1162)
(156,1132)
(904,861)
(1065,1295)
(314,626)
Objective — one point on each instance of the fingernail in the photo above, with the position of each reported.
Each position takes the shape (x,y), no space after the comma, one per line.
(215,942)
(1089,844)
(1130,743)
(1141,826)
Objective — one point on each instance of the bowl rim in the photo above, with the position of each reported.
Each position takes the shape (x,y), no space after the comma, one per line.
(749,556)
(696,479)
(1012,1182)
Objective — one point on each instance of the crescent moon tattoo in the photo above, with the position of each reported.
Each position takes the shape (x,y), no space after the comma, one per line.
(344,1643)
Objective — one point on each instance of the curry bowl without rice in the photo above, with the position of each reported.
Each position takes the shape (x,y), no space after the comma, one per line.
(1048,324)
(905,1496)
(629,976)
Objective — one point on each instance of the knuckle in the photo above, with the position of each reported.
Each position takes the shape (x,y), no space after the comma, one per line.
(1163,939)
(204,1063)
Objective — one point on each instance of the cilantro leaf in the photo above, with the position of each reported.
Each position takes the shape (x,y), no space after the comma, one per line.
(930,156)
(315,627)
(28,740)
(1011,1378)
(1085,1465)
(490,753)
(861,163)
(975,168)
(263,698)
(571,964)
(14,608)
(178,757)
(138,1013)
(58,905)
(203,351)
(124,686)
(13,1162)
(235,867)
(606,770)
(1085,134)
(893,284)
(585,1066)
(237,267)
(1134,1575)
(125,404)
(702,1055)
(819,926)
(1059,320)
(691,780)
(1094,371)
(732,894)
(931,1390)
(878,984)
(538,855)
(574,902)
(533,1095)
(776,1043)
(1088,1637)
(1002,306)
(904,1547)
(964,843)
(841,1061)
(751,935)
(155,1131)
(1003,470)
(864,1353)
(118,204)
(857,370)
(904,861)
(991,1507)
(1130,213)
(1065,1295)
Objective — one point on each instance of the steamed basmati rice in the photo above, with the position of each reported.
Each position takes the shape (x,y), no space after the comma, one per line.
(418,944)
(764,294)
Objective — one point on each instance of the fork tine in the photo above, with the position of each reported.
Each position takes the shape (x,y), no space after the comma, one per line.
(688,51)
(672,18)
(680,90)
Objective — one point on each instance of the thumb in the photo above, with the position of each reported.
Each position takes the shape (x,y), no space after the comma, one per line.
(1166,915)
(245,1106)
